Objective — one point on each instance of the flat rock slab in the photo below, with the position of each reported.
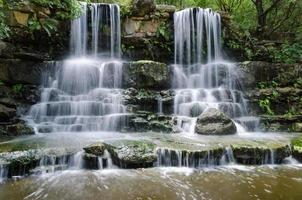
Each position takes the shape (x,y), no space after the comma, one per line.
(131,154)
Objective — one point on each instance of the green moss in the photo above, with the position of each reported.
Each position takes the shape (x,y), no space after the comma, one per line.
(297,143)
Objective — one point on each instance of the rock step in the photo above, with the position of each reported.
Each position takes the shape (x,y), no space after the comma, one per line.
(133,154)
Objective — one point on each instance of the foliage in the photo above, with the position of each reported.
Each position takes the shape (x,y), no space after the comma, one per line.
(4,29)
(265,103)
(49,25)
(17,88)
(297,142)
(288,53)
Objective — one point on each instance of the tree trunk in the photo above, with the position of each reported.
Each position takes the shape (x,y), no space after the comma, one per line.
(261,16)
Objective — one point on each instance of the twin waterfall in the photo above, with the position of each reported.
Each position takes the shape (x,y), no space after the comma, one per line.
(83,94)
(202,79)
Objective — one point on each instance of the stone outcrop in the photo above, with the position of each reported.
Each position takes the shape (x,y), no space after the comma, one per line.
(146,75)
(257,155)
(214,122)
(15,71)
(254,72)
(278,86)
(149,36)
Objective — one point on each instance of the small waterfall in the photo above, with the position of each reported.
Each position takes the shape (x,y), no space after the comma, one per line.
(159,105)
(105,161)
(3,172)
(84,94)
(202,79)
(228,157)
(193,159)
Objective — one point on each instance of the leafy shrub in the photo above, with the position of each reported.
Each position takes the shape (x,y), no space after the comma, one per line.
(288,53)
(4,29)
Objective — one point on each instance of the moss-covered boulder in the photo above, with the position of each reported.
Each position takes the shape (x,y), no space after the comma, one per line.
(297,148)
(146,74)
(132,153)
(250,154)
(214,122)
(95,149)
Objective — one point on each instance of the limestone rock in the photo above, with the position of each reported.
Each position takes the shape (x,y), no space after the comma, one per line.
(251,155)
(21,18)
(132,154)
(95,149)
(214,122)
(146,74)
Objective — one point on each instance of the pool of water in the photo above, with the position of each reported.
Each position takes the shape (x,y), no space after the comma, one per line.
(233,182)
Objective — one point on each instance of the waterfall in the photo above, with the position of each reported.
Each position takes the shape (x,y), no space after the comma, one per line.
(102,16)
(202,79)
(84,93)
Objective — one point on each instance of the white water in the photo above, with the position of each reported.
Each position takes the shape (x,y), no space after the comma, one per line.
(84,94)
(202,78)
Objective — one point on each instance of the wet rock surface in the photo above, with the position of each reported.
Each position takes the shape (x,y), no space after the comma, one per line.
(146,75)
(257,155)
(131,154)
(95,149)
(214,122)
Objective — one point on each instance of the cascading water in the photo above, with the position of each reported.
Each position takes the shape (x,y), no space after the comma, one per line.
(84,93)
(202,79)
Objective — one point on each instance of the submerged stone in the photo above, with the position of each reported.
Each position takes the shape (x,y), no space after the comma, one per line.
(214,122)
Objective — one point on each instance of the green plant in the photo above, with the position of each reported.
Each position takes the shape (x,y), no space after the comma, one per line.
(265,104)
(4,28)
(17,88)
(287,53)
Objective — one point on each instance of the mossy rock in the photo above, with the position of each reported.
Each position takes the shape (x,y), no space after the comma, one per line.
(297,148)
(132,154)
(95,149)
(252,154)
(147,75)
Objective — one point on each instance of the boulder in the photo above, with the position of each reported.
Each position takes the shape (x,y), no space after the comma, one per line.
(214,122)
(143,7)
(146,74)
(257,155)
(95,149)
(131,154)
